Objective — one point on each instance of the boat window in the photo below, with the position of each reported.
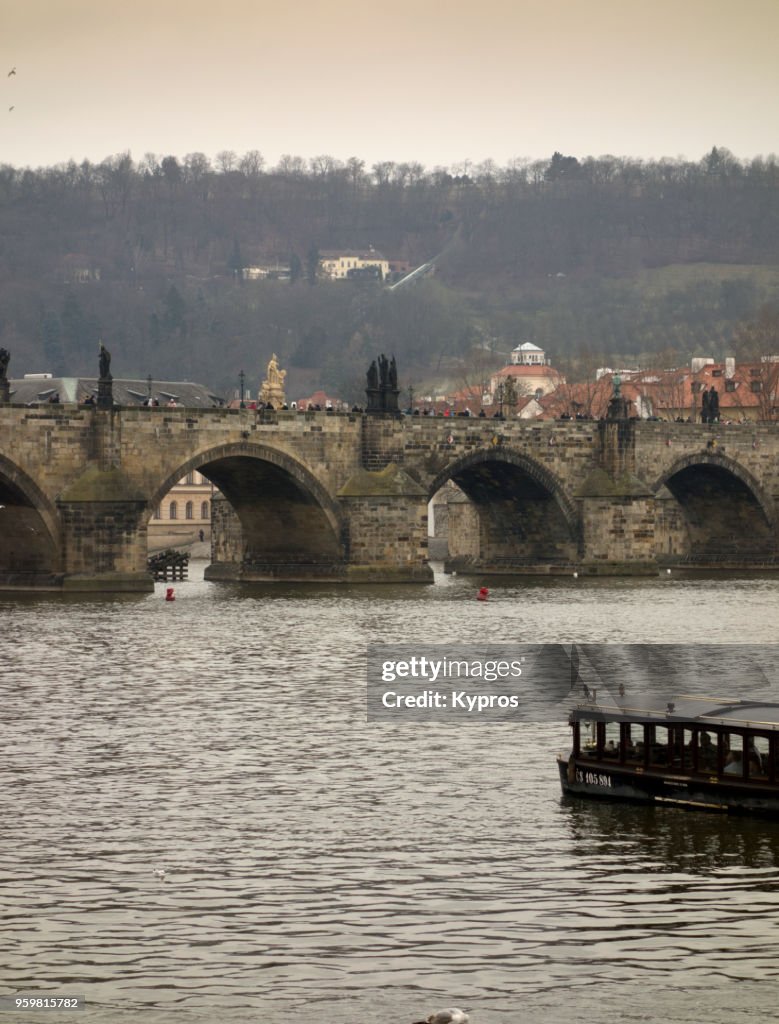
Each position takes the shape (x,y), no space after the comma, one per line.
(587,740)
(680,751)
(611,740)
(733,751)
(758,756)
(707,751)
(633,739)
(658,744)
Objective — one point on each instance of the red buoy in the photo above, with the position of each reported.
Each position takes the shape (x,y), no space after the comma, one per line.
(170,595)
(483,594)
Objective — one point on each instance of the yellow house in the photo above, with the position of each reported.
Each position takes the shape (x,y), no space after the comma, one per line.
(340,266)
(184,514)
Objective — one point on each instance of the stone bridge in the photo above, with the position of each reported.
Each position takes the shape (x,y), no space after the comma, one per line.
(345,497)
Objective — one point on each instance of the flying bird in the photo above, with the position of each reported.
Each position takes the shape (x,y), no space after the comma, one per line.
(11,72)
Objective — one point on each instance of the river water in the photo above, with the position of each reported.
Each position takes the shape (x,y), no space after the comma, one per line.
(320,866)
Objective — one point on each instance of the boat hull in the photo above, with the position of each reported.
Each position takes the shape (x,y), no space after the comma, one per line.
(583,778)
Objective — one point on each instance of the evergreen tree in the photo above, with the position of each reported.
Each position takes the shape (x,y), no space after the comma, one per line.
(312,264)
(236,261)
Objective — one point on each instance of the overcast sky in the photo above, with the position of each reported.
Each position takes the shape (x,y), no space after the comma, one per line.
(439,83)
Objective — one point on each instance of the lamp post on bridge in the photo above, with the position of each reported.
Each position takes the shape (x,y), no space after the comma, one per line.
(242,378)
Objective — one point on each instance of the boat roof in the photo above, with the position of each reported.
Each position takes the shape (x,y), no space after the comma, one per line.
(696,709)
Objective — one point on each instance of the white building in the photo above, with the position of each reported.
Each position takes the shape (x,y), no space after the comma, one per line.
(339,266)
(528,354)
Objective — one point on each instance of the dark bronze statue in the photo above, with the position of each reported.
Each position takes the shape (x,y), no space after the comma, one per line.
(713,405)
(383,371)
(382,389)
(105,362)
(705,407)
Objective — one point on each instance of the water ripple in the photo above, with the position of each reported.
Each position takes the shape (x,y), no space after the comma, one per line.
(313,860)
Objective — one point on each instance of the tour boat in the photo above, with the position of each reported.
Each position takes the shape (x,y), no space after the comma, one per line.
(703,752)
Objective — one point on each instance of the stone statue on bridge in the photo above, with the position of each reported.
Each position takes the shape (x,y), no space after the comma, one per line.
(705,410)
(619,406)
(105,393)
(105,363)
(382,386)
(272,388)
(713,405)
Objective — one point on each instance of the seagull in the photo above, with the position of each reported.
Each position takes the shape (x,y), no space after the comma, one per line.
(576,575)
(159,873)
(450,1016)
(11,72)
(10,109)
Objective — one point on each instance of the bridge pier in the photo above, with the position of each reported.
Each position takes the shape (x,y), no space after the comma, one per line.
(617,510)
(104,544)
(387,516)
(618,528)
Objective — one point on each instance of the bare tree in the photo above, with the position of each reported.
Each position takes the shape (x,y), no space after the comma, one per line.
(252,163)
(115,177)
(323,165)
(476,370)
(226,160)
(580,391)
(356,170)
(196,166)
(291,166)
(382,172)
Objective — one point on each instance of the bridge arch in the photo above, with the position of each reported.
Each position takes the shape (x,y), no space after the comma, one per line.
(715,509)
(30,528)
(277,517)
(509,511)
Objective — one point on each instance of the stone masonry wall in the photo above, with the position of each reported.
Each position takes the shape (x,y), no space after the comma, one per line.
(618,531)
(387,537)
(60,459)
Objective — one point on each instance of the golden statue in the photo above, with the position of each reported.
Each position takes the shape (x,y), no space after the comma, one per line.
(272,388)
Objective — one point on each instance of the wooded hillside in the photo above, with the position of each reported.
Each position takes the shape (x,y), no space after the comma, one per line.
(606,256)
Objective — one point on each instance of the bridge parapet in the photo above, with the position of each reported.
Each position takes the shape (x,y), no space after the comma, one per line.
(753,446)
